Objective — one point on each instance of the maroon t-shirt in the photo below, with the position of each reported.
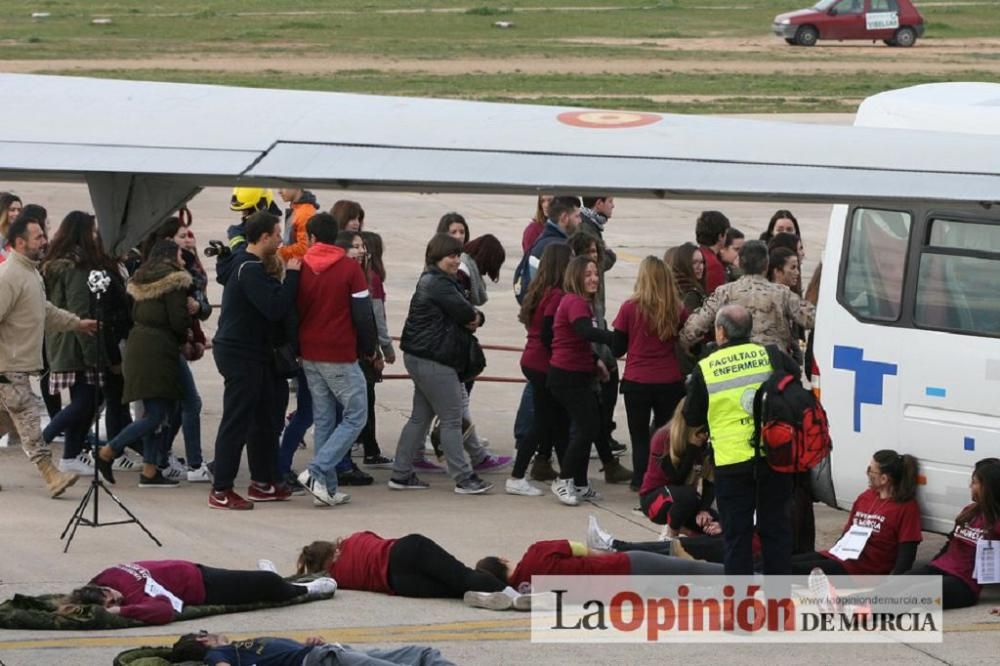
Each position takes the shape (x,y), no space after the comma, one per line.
(376,287)
(182,579)
(892,523)
(715,271)
(530,235)
(570,351)
(555,558)
(650,360)
(363,563)
(959,558)
(536,354)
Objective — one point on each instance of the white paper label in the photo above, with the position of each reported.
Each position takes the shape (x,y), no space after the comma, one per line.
(852,543)
(154,589)
(882,20)
(987,569)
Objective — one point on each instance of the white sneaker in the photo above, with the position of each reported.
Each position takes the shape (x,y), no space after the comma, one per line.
(321,587)
(266,565)
(597,539)
(564,490)
(124,463)
(497,601)
(200,475)
(318,490)
(173,473)
(521,487)
(76,465)
(587,493)
(173,462)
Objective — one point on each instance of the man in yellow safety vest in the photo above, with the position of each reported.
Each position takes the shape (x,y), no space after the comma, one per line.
(720,395)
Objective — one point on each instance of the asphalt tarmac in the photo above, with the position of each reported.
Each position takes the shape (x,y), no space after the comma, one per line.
(32,561)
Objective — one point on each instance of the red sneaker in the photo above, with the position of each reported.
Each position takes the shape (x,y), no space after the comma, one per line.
(267,492)
(227,499)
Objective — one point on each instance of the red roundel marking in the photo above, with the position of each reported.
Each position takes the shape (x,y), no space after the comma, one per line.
(608,119)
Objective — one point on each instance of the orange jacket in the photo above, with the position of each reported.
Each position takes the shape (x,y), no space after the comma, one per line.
(295,235)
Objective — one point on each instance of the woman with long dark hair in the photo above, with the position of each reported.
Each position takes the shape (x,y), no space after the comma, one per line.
(387,354)
(550,427)
(74,252)
(688,266)
(889,507)
(162,315)
(10,208)
(572,371)
(782,222)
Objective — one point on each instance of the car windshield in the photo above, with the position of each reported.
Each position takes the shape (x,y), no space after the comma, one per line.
(824,5)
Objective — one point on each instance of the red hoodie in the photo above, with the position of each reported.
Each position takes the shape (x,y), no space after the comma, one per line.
(326,285)
(180,578)
(715,270)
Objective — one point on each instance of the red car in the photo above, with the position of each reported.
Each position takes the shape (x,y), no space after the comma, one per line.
(896,22)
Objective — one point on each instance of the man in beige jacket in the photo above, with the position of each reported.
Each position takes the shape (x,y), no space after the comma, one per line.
(25,315)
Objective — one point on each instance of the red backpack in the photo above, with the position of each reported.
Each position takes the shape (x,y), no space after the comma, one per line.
(790,425)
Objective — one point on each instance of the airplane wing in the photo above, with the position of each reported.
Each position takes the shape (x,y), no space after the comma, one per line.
(144,148)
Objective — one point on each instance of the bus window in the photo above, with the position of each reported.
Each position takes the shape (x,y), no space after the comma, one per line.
(876,263)
(956,288)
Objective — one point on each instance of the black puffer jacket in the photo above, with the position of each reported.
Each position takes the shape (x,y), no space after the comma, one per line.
(435,324)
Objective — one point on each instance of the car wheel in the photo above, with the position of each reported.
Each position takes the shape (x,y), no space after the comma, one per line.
(905,37)
(791,41)
(889,42)
(806,36)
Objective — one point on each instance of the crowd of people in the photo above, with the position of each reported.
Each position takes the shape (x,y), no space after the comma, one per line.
(304,304)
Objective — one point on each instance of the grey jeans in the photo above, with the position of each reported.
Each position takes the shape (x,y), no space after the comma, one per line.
(654,564)
(332,654)
(436,390)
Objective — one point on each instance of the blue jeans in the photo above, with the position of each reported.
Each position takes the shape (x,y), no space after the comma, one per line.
(75,419)
(524,420)
(156,412)
(187,417)
(296,429)
(330,384)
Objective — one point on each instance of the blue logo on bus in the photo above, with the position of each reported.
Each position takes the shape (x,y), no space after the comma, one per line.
(868,377)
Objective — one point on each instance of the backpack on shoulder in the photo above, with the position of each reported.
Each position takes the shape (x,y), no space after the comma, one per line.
(522,277)
(791,429)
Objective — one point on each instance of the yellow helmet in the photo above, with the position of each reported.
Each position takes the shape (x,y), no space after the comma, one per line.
(251,198)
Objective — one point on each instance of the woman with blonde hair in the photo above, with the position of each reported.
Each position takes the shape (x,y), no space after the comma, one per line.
(677,489)
(646,328)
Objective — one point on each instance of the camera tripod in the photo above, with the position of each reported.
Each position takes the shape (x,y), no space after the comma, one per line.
(98,282)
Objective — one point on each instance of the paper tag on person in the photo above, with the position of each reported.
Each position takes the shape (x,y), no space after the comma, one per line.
(852,543)
(987,569)
(154,589)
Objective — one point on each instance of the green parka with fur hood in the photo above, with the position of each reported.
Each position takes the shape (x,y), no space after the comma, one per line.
(152,353)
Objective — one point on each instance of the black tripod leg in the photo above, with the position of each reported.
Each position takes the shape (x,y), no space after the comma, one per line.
(131,515)
(77,517)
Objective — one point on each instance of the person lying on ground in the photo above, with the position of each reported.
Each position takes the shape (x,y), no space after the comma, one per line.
(411,566)
(154,591)
(569,558)
(219,650)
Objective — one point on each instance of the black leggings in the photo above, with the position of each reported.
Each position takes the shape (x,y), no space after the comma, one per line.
(641,402)
(678,505)
(804,563)
(550,426)
(954,591)
(224,586)
(368,437)
(418,567)
(574,392)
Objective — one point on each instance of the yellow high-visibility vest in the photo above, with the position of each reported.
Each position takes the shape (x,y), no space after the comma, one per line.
(732,377)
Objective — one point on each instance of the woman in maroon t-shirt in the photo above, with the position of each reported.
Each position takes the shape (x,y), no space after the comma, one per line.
(890,509)
(677,490)
(550,427)
(646,327)
(537,223)
(411,566)
(572,370)
(980,520)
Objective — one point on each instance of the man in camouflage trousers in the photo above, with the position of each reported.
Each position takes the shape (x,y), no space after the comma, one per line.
(25,315)
(774,307)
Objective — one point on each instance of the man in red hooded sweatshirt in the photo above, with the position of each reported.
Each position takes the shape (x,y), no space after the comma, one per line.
(336,322)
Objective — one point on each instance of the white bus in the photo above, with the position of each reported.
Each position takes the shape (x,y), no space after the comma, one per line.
(908,323)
